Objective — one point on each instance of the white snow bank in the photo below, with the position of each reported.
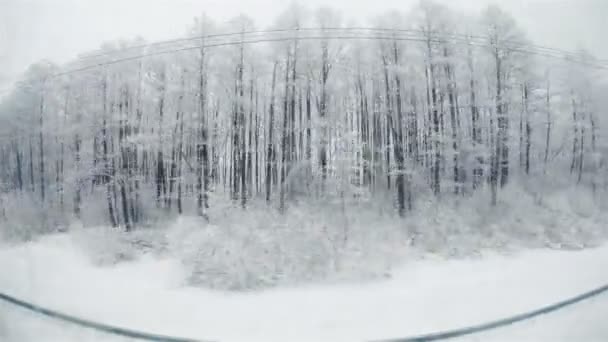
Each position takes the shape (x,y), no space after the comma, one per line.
(259,248)
(358,240)
(423,296)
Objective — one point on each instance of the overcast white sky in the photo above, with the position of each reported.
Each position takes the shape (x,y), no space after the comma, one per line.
(59,29)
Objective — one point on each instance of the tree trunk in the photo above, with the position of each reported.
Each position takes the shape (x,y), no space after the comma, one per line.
(19,167)
(107,167)
(325,67)
(270,155)
(575,136)
(285,149)
(77,196)
(32,180)
(453,120)
(528,138)
(503,127)
(548,133)
(41,148)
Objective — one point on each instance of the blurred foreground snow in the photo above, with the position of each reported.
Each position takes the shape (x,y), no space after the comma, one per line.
(424,295)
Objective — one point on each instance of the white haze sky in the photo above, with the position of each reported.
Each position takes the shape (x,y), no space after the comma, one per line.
(31,30)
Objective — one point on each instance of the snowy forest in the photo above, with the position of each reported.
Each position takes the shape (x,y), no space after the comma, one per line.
(315,114)
(425,171)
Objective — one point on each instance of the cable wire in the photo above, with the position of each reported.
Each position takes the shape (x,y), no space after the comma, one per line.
(309,29)
(392,37)
(436,336)
(300,38)
(109,329)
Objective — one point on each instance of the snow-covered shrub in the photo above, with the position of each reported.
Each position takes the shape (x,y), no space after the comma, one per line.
(259,247)
(23,218)
(345,237)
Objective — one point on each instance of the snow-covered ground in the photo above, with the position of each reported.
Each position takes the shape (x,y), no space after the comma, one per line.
(423,296)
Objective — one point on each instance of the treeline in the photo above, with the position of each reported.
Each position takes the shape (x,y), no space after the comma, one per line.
(423,102)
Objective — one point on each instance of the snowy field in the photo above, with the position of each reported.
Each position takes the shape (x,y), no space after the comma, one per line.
(309,175)
(423,295)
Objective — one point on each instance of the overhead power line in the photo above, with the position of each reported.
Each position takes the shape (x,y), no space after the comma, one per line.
(350,34)
(414,38)
(313,29)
